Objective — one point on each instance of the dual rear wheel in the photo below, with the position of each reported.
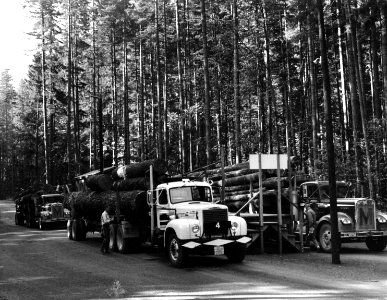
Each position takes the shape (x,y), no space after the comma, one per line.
(76,230)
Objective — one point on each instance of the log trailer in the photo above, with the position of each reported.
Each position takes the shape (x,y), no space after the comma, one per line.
(359,220)
(179,216)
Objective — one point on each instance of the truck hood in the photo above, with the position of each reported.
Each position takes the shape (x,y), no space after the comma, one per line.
(195,206)
(349,201)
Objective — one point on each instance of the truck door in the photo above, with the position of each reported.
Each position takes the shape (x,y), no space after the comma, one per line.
(162,212)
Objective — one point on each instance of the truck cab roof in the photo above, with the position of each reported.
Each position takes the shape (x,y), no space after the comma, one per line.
(51,195)
(180,183)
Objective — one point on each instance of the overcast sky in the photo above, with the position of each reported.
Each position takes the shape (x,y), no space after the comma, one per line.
(16,47)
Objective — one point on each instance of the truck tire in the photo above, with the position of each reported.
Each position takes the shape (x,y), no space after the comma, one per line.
(41,224)
(176,252)
(122,243)
(18,219)
(376,244)
(325,237)
(113,237)
(69,229)
(236,252)
(30,222)
(78,230)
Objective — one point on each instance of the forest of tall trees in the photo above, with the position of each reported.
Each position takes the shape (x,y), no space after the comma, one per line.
(119,81)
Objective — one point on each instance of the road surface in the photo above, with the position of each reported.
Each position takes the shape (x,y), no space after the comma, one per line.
(46,265)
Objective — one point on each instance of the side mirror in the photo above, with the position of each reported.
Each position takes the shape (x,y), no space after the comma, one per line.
(304,192)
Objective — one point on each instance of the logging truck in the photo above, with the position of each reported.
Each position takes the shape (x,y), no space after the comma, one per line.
(359,220)
(178,216)
(41,210)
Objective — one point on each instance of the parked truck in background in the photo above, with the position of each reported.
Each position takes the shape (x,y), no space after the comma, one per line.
(179,216)
(359,219)
(41,210)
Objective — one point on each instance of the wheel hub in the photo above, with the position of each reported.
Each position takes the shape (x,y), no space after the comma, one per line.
(174,249)
(327,237)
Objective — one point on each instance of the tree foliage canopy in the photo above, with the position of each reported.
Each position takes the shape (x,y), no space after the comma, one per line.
(117,81)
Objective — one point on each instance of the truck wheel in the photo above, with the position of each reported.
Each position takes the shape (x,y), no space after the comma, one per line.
(113,237)
(177,254)
(236,253)
(78,230)
(41,224)
(376,244)
(122,243)
(30,223)
(69,229)
(325,237)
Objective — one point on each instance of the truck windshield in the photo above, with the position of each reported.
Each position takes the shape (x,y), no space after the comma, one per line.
(190,193)
(341,191)
(53,199)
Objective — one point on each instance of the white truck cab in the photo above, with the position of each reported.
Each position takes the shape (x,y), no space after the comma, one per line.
(192,223)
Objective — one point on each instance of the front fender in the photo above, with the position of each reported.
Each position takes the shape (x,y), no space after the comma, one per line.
(341,227)
(381,220)
(242,225)
(183,228)
(320,222)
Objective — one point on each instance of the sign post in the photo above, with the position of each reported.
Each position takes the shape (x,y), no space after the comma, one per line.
(261,228)
(269,162)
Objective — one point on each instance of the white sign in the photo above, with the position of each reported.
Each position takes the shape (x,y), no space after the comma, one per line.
(268,161)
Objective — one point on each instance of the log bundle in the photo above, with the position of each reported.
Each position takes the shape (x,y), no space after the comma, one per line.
(123,189)
(140,169)
(130,177)
(242,183)
(131,205)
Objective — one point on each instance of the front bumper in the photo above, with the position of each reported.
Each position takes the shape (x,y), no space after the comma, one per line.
(362,234)
(58,220)
(214,246)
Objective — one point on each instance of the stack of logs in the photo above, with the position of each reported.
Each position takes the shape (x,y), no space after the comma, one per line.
(123,188)
(130,177)
(241,183)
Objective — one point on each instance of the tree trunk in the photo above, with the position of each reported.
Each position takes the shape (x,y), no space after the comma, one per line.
(206,83)
(353,96)
(363,115)
(126,100)
(141,100)
(313,95)
(335,237)
(160,139)
(114,96)
(269,88)
(69,80)
(45,130)
(345,118)
(237,104)
(181,93)
(93,128)
(383,30)
(165,108)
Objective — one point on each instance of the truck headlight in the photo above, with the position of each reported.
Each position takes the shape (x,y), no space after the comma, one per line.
(195,228)
(345,221)
(381,219)
(234,226)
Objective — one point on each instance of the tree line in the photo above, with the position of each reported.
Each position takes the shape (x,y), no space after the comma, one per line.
(119,81)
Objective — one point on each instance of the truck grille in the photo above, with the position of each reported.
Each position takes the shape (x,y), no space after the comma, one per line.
(57,211)
(214,215)
(365,215)
(215,222)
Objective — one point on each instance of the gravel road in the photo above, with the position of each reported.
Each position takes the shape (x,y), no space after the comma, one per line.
(46,265)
